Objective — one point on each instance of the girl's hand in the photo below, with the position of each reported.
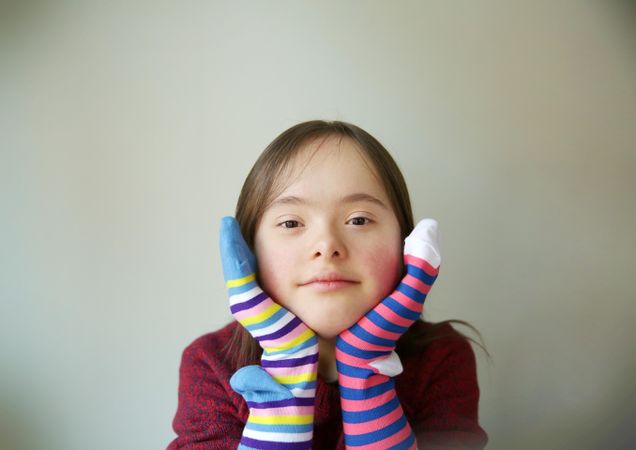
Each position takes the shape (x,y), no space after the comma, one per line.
(280,392)
(277,330)
(365,356)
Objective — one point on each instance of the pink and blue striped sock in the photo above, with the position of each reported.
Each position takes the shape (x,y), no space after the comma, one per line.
(365,358)
(280,393)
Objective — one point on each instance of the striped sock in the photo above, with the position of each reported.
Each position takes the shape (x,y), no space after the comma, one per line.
(371,411)
(280,393)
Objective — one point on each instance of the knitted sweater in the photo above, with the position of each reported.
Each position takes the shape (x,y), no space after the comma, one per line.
(438,390)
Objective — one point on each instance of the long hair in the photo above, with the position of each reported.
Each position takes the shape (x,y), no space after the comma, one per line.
(264,183)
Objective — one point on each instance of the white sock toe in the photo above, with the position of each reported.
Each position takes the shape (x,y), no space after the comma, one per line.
(424,242)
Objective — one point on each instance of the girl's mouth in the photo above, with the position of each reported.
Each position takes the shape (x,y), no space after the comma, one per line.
(328,282)
(329,285)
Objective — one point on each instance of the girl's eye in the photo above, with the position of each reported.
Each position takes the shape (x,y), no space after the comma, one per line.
(289,224)
(359,221)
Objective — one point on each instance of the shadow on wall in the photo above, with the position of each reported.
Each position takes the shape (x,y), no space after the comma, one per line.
(617,429)
(20,430)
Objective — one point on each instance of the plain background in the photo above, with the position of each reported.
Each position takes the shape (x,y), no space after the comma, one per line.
(127,129)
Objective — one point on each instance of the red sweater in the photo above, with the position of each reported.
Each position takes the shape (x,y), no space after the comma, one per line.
(438,390)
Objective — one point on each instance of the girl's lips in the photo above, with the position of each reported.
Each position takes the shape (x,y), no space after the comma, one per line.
(329,285)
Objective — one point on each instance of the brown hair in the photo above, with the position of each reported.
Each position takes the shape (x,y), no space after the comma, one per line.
(263,185)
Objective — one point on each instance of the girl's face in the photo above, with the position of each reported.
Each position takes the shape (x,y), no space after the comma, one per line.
(329,246)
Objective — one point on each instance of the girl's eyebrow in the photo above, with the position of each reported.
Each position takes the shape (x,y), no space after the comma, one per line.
(363,197)
(351,198)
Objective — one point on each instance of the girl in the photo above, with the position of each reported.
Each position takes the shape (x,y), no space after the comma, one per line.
(326,210)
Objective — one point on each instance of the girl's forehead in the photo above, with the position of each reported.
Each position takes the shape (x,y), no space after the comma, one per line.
(330,166)
(330,153)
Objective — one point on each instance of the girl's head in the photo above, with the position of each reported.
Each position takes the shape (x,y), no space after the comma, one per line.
(325,209)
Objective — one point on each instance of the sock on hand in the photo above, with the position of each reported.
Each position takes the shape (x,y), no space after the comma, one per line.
(280,393)
(365,357)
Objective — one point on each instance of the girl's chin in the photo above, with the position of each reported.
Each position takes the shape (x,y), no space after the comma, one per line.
(329,324)
(328,336)
(329,331)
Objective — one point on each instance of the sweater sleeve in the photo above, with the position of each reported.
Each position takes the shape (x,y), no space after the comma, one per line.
(446,415)
(208,415)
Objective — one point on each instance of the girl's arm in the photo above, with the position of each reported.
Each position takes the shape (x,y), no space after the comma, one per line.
(280,393)
(207,417)
(443,384)
(371,411)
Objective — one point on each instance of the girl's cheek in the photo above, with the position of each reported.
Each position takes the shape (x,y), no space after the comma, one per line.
(273,270)
(386,265)
(268,281)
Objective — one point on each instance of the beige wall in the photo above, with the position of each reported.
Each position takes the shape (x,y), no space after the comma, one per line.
(126,132)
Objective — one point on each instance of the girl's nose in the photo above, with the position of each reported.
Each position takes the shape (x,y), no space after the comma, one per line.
(329,245)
